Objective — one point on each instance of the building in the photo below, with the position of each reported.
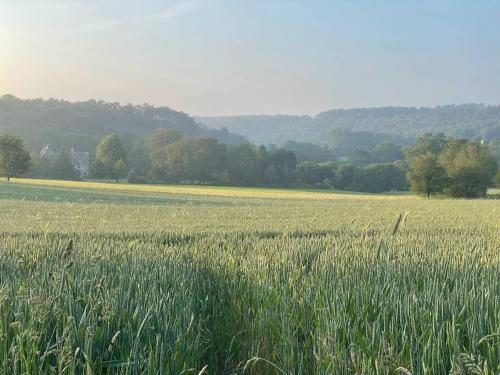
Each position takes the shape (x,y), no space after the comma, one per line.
(81,162)
(47,152)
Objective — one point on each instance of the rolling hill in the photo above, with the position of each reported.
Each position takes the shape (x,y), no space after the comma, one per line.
(467,120)
(81,125)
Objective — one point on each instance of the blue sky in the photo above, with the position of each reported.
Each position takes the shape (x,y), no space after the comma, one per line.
(216,57)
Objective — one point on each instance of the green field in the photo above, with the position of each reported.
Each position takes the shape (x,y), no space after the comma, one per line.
(117,278)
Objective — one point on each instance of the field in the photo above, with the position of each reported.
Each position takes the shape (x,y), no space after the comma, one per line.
(116,278)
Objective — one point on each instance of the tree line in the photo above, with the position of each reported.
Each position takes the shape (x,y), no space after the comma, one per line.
(457,167)
(81,125)
(396,123)
(168,156)
(433,165)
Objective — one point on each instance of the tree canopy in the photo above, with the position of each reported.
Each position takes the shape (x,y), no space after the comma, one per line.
(14,158)
(81,125)
(469,166)
(460,167)
(426,176)
(395,124)
(111,157)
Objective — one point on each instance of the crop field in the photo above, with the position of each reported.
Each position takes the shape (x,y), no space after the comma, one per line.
(117,278)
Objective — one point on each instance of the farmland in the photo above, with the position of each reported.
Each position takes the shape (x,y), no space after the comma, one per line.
(115,278)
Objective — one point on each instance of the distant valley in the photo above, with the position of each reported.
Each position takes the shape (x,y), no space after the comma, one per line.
(467,121)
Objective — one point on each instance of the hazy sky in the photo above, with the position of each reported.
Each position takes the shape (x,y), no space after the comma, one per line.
(209,57)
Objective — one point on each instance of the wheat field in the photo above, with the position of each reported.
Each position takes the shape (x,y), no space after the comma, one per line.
(115,278)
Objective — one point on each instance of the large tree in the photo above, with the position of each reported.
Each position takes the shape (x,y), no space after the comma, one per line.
(243,165)
(426,175)
(195,159)
(157,145)
(284,162)
(14,158)
(111,156)
(469,166)
(426,144)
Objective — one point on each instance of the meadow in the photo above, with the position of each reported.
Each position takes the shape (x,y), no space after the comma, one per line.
(118,278)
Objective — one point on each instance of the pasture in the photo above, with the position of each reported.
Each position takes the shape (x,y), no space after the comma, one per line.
(117,278)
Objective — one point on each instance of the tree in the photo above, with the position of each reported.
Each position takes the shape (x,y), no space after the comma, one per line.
(243,165)
(469,166)
(61,167)
(494,147)
(387,152)
(315,173)
(109,152)
(284,162)
(359,158)
(195,159)
(426,175)
(157,145)
(120,170)
(207,161)
(426,144)
(40,167)
(344,177)
(310,151)
(139,158)
(496,180)
(383,177)
(345,141)
(14,158)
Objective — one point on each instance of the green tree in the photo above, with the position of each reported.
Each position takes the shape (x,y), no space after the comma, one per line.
(120,170)
(97,170)
(359,158)
(426,175)
(345,177)
(139,158)
(426,144)
(494,147)
(14,158)
(61,167)
(195,159)
(383,177)
(284,162)
(109,152)
(469,166)
(243,165)
(387,152)
(40,167)
(157,145)
(207,161)
(496,180)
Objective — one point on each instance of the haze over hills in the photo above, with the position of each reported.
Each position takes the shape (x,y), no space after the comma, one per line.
(466,120)
(81,125)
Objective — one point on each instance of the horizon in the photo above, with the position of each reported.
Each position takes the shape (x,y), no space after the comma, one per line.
(231,58)
(195,116)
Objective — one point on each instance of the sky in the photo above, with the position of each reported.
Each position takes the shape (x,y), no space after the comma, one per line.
(224,57)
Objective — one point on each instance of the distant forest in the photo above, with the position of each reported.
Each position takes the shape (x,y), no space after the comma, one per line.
(82,125)
(400,125)
(453,150)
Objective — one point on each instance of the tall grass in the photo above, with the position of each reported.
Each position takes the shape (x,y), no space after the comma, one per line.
(250,286)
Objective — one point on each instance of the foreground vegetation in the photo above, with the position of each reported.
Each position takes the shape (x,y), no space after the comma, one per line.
(102,278)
